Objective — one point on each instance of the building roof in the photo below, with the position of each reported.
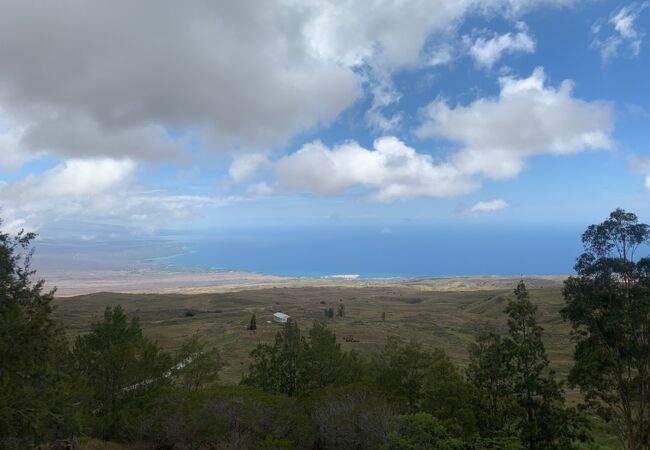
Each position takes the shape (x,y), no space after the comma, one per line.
(280,315)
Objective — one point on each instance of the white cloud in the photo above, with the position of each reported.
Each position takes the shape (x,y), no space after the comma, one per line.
(497,136)
(623,33)
(247,165)
(384,94)
(260,189)
(488,206)
(391,171)
(88,189)
(527,118)
(641,165)
(440,55)
(243,74)
(12,155)
(487,51)
(75,178)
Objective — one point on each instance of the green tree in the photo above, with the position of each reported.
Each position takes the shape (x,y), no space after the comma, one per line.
(297,366)
(34,354)
(546,423)
(349,417)
(400,369)
(447,395)
(419,431)
(340,311)
(490,375)
(516,394)
(324,363)
(196,366)
(608,306)
(116,364)
(253,323)
(276,368)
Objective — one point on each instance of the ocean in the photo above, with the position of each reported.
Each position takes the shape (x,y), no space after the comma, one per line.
(381,252)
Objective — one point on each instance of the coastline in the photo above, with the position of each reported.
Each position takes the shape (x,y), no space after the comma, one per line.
(173,279)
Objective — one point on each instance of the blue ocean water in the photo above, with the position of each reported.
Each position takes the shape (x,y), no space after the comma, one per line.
(399,251)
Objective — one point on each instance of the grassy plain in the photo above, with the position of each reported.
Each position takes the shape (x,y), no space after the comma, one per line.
(445,314)
(436,315)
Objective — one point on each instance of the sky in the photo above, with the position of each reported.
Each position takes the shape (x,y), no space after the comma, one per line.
(203,115)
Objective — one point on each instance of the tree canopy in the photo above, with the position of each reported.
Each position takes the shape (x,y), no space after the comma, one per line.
(34,358)
(608,307)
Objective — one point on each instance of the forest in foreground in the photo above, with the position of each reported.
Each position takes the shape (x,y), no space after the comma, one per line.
(303,390)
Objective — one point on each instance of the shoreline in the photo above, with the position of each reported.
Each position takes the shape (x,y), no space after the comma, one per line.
(193,280)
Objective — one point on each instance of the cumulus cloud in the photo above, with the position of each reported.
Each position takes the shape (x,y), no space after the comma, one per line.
(619,32)
(12,155)
(108,79)
(488,206)
(112,79)
(247,165)
(102,188)
(496,137)
(528,118)
(75,178)
(487,51)
(391,170)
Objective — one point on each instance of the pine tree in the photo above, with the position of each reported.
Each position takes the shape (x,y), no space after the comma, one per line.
(116,364)
(33,350)
(547,422)
(516,392)
(253,323)
(275,368)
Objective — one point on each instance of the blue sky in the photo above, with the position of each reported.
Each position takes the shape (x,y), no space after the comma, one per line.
(199,116)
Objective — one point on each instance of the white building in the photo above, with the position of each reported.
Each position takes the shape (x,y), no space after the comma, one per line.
(280,317)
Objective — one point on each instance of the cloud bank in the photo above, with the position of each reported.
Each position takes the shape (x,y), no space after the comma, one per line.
(496,137)
(528,118)
(118,78)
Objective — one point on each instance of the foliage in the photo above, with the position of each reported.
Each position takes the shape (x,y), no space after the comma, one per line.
(399,370)
(222,417)
(116,364)
(253,323)
(419,431)
(490,374)
(296,366)
(446,394)
(323,363)
(516,393)
(196,366)
(608,306)
(276,368)
(34,358)
(546,423)
(350,417)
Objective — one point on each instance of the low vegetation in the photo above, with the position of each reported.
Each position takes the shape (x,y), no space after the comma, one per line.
(305,390)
